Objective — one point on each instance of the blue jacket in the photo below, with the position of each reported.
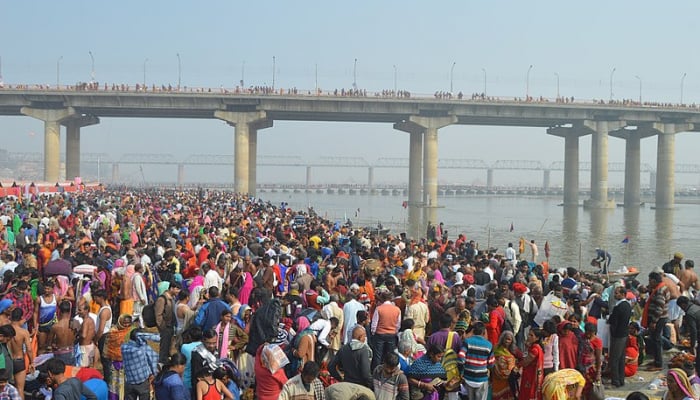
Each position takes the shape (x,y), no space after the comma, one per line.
(210,313)
(169,386)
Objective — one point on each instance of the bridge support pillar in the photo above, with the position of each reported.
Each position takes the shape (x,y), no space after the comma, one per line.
(52,136)
(180,174)
(571,159)
(115,173)
(308,177)
(665,162)
(599,162)
(652,181)
(73,126)
(245,123)
(370,178)
(415,176)
(633,139)
(546,179)
(489,179)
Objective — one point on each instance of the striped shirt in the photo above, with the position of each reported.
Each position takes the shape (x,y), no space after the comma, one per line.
(477,357)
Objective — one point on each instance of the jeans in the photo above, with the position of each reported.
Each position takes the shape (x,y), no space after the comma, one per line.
(141,391)
(617,360)
(383,344)
(655,342)
(166,339)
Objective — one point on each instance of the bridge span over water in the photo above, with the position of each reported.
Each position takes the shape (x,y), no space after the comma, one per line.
(421,118)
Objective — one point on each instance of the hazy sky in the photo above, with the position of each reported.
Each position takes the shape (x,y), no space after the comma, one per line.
(581,41)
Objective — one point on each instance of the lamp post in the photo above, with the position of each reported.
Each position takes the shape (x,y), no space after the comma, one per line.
(179,71)
(527,83)
(395,84)
(0,70)
(484,71)
(557,75)
(92,71)
(243,75)
(611,82)
(58,72)
(144,73)
(682,81)
(273,73)
(316,78)
(354,75)
(640,88)
(452,70)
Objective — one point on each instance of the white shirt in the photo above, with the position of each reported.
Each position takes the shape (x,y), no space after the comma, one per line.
(350,310)
(510,254)
(322,327)
(212,278)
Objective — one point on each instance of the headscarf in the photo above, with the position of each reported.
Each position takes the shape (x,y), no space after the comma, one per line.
(681,379)
(302,323)
(424,368)
(239,317)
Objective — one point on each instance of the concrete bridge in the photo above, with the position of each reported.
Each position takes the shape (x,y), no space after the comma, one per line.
(421,118)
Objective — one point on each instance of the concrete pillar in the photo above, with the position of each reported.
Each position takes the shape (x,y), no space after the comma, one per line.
(180,174)
(489,179)
(52,135)
(632,139)
(546,178)
(73,126)
(415,176)
(308,177)
(243,123)
(599,162)
(665,161)
(571,160)
(252,161)
(115,173)
(430,161)
(370,178)
(652,181)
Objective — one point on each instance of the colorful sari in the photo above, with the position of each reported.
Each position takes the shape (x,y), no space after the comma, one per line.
(562,385)
(531,380)
(425,370)
(505,363)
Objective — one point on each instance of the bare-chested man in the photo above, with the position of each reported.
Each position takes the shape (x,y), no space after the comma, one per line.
(86,336)
(18,346)
(62,337)
(689,277)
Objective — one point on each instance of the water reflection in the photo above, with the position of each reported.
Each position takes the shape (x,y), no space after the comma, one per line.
(664,234)
(569,234)
(599,227)
(631,231)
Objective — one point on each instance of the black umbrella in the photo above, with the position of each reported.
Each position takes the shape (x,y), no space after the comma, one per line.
(58,267)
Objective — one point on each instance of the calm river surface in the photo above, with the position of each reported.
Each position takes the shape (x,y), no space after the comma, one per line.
(654,234)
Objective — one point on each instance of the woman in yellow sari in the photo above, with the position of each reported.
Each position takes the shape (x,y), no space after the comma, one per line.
(565,384)
(506,355)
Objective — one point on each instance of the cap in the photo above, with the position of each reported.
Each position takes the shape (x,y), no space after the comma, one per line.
(5,304)
(678,255)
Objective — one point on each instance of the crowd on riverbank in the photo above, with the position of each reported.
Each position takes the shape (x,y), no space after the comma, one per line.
(247,299)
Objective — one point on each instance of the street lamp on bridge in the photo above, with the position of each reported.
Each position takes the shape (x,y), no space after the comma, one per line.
(557,75)
(611,83)
(354,75)
(92,71)
(484,71)
(395,85)
(144,73)
(179,71)
(640,88)
(243,75)
(682,81)
(452,71)
(273,72)
(527,83)
(58,72)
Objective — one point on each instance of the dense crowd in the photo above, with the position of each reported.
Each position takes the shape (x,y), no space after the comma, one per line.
(175,295)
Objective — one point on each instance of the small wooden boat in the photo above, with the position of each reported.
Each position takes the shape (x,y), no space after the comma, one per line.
(613,276)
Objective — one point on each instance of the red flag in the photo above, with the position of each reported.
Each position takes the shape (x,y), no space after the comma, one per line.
(511,227)
(546,249)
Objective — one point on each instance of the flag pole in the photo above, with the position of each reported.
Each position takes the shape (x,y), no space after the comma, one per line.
(580,255)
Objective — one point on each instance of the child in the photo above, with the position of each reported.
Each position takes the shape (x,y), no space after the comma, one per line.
(227,376)
(209,388)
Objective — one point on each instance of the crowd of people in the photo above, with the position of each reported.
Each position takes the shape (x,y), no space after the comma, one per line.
(174,295)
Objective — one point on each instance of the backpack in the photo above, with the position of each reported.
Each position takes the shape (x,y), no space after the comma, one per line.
(507,325)
(451,365)
(149,313)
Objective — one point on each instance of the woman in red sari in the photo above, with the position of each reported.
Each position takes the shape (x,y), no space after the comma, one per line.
(533,368)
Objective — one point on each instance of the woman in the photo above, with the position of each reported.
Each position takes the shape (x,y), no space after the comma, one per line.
(631,357)
(533,368)
(247,286)
(679,387)
(268,384)
(239,337)
(550,345)
(590,356)
(568,346)
(126,305)
(407,335)
(506,356)
(116,337)
(169,384)
(423,372)
(566,384)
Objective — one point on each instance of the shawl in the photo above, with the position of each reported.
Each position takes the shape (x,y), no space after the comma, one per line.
(505,362)
(241,313)
(222,332)
(425,368)
(682,381)
(557,384)
(650,299)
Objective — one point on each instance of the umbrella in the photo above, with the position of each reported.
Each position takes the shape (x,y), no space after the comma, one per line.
(58,267)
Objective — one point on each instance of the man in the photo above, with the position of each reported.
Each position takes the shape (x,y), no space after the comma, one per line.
(353,359)
(654,317)
(203,357)
(533,249)
(619,321)
(477,357)
(209,313)
(688,277)
(165,320)
(211,277)
(86,336)
(441,337)
(138,285)
(7,390)
(66,388)
(350,310)
(673,266)
(16,347)
(510,253)
(140,365)
(305,386)
(528,310)
(691,321)
(103,324)
(332,310)
(386,322)
(62,337)
(389,381)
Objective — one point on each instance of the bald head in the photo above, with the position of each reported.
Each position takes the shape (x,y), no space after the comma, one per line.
(358,332)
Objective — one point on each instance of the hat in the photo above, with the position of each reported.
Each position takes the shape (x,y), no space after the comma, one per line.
(461,325)
(519,288)
(678,255)
(5,304)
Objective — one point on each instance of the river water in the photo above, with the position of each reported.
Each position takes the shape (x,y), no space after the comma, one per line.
(573,232)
